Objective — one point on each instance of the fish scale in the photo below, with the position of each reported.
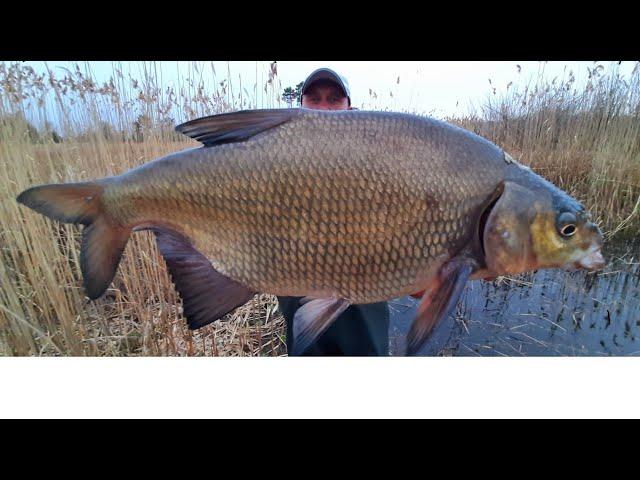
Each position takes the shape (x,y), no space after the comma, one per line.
(267,214)
(339,207)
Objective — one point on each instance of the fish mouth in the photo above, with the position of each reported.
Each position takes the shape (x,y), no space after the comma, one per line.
(593,260)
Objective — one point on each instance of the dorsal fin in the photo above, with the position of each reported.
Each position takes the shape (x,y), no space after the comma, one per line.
(235,126)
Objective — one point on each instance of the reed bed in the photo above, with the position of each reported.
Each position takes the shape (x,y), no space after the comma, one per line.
(585,141)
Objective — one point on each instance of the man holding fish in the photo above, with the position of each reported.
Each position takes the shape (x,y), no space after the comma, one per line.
(341,210)
(362,330)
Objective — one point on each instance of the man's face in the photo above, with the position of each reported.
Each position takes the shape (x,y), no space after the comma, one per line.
(325,96)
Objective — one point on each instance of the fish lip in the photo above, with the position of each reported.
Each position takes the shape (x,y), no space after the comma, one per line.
(593,260)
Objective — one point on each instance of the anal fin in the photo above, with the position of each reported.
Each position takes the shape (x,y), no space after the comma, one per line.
(207,295)
(439,300)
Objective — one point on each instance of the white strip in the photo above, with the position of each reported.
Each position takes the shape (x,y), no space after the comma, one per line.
(319,388)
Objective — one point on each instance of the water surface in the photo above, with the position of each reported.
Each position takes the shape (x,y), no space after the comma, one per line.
(542,313)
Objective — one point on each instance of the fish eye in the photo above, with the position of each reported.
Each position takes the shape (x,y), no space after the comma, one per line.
(568,230)
(567,224)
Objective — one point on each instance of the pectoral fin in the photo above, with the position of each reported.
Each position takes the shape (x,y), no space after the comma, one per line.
(438,301)
(207,295)
(313,318)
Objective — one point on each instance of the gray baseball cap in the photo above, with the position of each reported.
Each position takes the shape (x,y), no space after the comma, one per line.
(327,74)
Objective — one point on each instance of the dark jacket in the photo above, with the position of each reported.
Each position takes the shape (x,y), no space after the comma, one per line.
(361,330)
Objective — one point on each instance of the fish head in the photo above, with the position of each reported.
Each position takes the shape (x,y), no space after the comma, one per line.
(531,228)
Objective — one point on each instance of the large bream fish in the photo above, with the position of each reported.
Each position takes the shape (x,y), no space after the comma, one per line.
(343,208)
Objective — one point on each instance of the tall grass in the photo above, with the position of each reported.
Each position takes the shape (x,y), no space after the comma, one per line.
(105,130)
(585,141)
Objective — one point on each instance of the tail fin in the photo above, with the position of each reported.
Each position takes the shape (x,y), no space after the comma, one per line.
(103,240)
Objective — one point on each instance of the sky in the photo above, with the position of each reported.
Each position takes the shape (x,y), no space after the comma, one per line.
(435,88)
